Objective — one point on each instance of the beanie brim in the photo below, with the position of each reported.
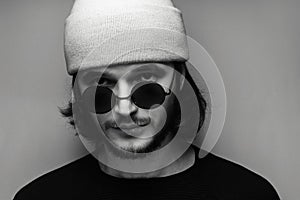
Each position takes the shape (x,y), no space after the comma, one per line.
(143,45)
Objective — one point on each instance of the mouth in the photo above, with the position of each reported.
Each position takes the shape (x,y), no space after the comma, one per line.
(131,130)
(125,126)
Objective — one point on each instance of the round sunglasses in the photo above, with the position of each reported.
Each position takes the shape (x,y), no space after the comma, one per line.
(145,95)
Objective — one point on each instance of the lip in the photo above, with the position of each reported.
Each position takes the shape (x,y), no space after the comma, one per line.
(131,126)
(130,129)
(128,126)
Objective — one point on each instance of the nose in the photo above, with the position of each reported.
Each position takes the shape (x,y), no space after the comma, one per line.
(124,106)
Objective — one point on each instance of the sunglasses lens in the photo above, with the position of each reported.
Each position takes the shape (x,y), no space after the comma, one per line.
(148,96)
(103,100)
(145,96)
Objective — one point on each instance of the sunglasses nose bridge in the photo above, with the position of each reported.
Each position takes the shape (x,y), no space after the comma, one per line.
(124,106)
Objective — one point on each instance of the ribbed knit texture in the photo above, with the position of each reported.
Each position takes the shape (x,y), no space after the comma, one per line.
(100,32)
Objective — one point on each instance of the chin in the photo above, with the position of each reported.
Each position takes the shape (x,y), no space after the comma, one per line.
(129,150)
(125,145)
(131,144)
(137,146)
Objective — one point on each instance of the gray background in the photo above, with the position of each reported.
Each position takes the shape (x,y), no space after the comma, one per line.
(255,44)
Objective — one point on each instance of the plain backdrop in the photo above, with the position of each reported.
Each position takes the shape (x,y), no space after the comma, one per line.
(255,44)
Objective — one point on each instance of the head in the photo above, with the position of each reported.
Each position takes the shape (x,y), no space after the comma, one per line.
(148,46)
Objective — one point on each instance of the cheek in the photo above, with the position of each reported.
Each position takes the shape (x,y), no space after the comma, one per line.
(160,114)
(158,118)
(101,119)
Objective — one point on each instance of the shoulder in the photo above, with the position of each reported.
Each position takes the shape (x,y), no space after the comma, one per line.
(63,181)
(229,177)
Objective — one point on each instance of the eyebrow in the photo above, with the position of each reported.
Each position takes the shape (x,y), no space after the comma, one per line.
(148,68)
(104,74)
(156,71)
(141,69)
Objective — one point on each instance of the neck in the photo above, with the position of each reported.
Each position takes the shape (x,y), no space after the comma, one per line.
(181,164)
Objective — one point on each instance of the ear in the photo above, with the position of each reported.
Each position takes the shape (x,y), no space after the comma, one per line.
(72,96)
(182,78)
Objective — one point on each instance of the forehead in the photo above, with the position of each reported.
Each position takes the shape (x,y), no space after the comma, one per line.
(131,69)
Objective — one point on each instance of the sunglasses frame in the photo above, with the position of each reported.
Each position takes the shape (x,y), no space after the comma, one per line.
(136,87)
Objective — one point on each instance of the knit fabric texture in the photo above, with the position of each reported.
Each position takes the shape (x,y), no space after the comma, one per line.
(100,33)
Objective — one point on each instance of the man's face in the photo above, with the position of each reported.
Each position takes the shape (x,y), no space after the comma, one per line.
(127,125)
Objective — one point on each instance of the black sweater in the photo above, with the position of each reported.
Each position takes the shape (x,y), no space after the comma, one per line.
(211,178)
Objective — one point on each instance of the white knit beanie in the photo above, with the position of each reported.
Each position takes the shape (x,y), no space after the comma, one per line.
(123,31)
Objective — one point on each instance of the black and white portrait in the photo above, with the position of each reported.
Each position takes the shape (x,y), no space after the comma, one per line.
(149,99)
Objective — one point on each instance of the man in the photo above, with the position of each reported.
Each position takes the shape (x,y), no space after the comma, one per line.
(135,102)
